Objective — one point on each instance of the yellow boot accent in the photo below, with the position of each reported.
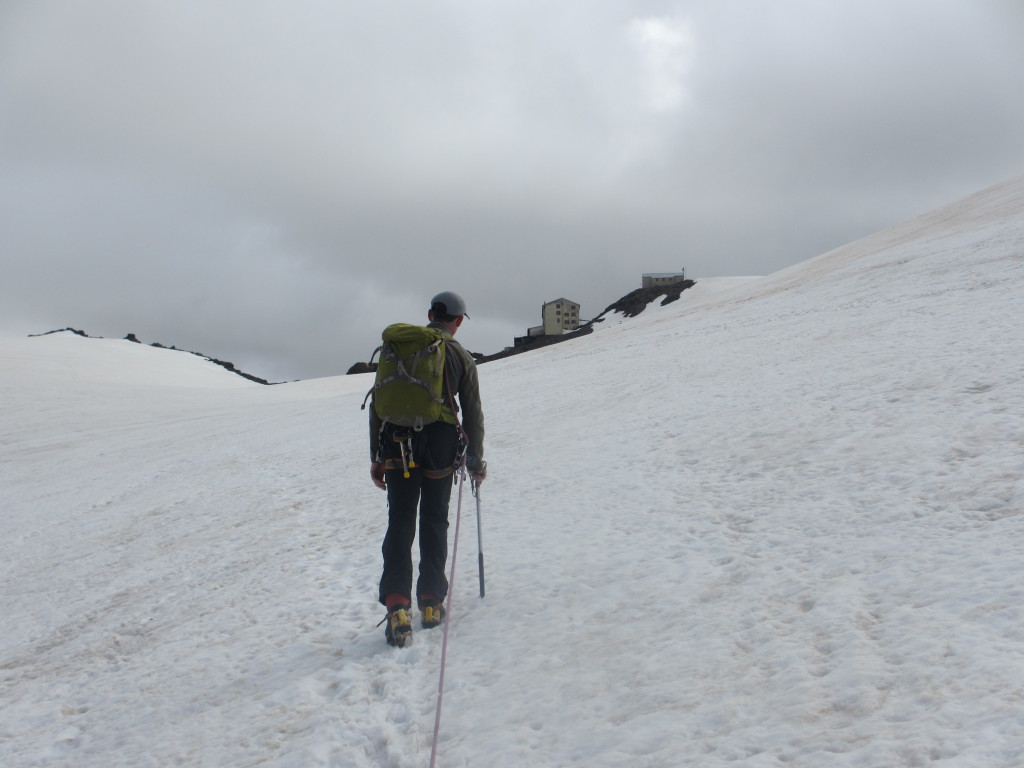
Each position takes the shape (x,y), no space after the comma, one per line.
(433,615)
(399,628)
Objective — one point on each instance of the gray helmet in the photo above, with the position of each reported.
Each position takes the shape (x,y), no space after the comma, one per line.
(448,303)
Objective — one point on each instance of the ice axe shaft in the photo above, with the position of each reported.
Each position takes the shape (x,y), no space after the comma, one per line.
(479,539)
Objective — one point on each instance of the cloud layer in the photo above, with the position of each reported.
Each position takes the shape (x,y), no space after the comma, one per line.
(272,183)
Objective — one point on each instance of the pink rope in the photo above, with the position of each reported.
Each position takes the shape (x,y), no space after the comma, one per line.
(447,622)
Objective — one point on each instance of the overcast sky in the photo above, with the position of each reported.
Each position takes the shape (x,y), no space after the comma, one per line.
(271,183)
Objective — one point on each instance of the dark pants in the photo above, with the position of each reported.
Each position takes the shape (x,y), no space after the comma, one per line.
(429,488)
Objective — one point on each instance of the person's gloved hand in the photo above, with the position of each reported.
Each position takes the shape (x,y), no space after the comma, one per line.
(377,474)
(477,469)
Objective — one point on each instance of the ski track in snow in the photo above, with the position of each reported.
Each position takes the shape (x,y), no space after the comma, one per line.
(775,523)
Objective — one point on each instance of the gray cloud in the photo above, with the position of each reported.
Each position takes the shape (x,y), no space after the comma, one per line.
(272,183)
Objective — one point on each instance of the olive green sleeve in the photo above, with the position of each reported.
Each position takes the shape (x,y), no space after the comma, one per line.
(472,411)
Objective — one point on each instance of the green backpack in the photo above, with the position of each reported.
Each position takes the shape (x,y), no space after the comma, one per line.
(409,388)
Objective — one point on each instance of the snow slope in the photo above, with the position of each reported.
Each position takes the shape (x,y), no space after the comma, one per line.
(775,525)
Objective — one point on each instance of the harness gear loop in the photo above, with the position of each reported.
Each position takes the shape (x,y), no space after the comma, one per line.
(404,440)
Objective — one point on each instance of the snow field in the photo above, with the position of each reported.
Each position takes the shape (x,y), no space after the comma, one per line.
(775,523)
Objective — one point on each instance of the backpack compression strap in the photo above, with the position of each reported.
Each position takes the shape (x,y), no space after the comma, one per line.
(402,373)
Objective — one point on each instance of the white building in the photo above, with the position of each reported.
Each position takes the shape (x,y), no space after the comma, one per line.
(558,317)
(652,279)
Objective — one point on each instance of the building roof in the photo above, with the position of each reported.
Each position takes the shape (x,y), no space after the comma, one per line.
(555,301)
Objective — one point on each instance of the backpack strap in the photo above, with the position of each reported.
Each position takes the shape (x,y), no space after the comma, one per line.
(363,406)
